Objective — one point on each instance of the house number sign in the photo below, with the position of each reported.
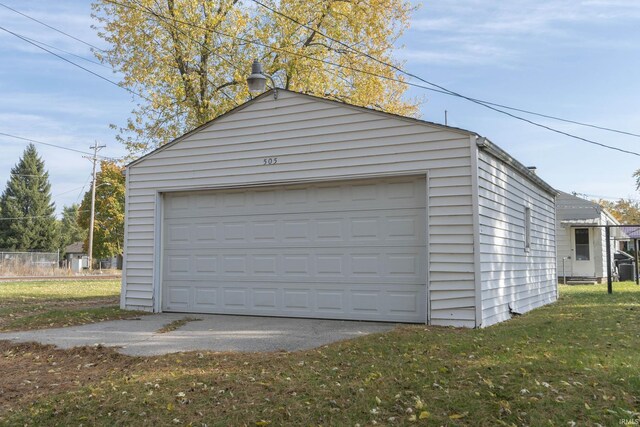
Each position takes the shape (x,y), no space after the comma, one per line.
(270,161)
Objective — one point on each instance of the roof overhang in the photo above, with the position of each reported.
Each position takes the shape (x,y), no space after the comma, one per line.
(590,221)
(488,146)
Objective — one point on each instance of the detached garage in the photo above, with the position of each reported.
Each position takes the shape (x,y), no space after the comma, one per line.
(303,207)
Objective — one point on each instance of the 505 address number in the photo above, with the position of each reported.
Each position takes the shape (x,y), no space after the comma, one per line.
(270,161)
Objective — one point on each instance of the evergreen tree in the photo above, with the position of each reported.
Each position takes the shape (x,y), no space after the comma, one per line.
(28,216)
(70,230)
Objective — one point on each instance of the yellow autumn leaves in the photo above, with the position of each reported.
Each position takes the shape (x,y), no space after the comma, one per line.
(191,57)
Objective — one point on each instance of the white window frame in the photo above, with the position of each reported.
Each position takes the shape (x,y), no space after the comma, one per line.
(527,229)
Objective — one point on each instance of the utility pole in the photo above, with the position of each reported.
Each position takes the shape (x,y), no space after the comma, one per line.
(94,159)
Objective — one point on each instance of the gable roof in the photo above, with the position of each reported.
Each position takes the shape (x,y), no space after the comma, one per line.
(482,142)
(75,248)
(576,209)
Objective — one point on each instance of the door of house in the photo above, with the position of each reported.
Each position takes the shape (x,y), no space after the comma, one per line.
(583,254)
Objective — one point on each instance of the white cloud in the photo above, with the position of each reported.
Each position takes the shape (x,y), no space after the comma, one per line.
(472,31)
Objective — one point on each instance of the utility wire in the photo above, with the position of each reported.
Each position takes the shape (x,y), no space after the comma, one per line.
(35,216)
(67,52)
(476,101)
(65,192)
(55,146)
(76,65)
(51,27)
(44,143)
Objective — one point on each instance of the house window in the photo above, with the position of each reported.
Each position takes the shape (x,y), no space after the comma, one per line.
(582,244)
(527,229)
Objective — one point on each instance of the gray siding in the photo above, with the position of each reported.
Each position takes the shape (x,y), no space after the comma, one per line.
(511,276)
(315,140)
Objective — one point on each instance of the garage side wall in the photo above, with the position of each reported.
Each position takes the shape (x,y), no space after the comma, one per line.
(295,139)
(514,278)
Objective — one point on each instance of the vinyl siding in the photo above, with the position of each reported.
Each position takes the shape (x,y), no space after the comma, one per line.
(315,140)
(511,276)
(576,208)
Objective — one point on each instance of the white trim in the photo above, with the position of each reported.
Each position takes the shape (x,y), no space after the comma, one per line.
(159,222)
(555,246)
(123,281)
(527,227)
(255,184)
(157,255)
(475,205)
(427,283)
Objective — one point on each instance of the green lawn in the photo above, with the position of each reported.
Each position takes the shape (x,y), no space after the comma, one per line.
(576,361)
(42,304)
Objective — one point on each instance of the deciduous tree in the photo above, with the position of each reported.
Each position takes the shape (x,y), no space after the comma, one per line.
(108,230)
(70,230)
(626,211)
(190,58)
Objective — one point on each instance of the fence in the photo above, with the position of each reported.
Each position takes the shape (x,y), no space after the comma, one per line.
(29,259)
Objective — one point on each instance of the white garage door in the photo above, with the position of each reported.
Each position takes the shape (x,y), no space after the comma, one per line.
(340,250)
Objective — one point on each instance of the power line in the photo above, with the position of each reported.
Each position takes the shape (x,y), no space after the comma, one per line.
(607,197)
(82,189)
(76,65)
(476,101)
(65,192)
(35,216)
(44,143)
(67,52)
(51,27)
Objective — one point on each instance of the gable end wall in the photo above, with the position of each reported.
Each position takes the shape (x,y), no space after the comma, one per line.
(315,140)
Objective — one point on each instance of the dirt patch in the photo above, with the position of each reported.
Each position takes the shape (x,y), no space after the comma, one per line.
(32,371)
(176,324)
(20,308)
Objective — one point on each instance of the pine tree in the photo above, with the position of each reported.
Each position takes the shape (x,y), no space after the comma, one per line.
(28,214)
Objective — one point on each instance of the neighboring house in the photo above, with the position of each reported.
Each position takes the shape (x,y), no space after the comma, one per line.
(304,207)
(76,258)
(581,246)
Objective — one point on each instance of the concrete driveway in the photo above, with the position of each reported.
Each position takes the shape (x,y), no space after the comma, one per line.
(139,337)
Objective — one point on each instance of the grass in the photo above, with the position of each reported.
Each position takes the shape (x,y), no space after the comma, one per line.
(57,303)
(576,361)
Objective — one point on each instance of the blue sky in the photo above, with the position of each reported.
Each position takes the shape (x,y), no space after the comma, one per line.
(574,59)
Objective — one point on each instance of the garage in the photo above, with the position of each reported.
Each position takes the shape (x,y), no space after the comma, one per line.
(338,250)
(298,206)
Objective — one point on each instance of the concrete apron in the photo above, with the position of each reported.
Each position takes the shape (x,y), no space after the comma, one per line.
(220,333)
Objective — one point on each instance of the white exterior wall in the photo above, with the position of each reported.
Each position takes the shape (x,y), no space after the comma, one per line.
(563,238)
(571,207)
(313,140)
(512,277)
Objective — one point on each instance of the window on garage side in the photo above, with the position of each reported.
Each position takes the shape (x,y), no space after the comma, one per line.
(527,229)
(582,244)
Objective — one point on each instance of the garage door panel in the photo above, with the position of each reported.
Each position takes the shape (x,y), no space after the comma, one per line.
(345,250)
(382,227)
(359,265)
(402,303)
(346,196)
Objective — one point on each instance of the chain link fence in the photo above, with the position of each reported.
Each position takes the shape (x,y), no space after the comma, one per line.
(12,260)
